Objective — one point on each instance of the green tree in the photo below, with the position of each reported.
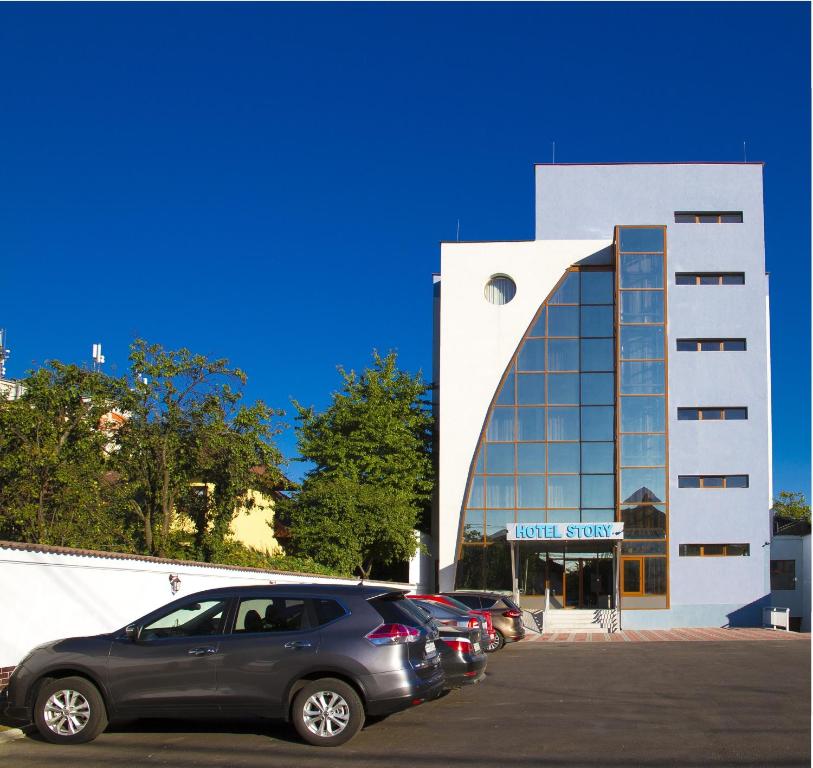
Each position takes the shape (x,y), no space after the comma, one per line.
(186,424)
(54,486)
(792,505)
(372,479)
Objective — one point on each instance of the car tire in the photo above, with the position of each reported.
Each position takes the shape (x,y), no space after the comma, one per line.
(327,712)
(499,642)
(69,710)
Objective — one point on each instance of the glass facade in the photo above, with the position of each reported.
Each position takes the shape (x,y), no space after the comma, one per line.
(547,453)
(642,502)
(577,433)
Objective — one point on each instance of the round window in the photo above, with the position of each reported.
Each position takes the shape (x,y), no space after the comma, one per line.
(500,289)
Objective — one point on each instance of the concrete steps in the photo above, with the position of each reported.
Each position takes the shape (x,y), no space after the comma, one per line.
(564,620)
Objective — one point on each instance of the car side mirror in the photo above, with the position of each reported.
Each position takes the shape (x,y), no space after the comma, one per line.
(133,632)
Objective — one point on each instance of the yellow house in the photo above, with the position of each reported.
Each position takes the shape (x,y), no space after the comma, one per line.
(253,522)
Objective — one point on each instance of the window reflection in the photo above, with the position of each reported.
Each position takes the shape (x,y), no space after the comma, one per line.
(642,414)
(531,388)
(563,321)
(563,457)
(532,356)
(598,490)
(531,490)
(500,458)
(642,342)
(563,355)
(642,485)
(531,423)
(641,306)
(568,291)
(597,287)
(643,450)
(563,491)
(501,425)
(597,389)
(531,457)
(499,492)
(641,239)
(563,423)
(597,321)
(598,422)
(563,388)
(597,355)
(641,271)
(598,457)
(642,378)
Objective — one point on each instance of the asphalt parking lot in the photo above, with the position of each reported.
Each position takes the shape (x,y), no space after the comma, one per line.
(630,704)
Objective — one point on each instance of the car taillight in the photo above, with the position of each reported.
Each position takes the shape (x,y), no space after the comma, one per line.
(512,614)
(460,646)
(474,623)
(393,634)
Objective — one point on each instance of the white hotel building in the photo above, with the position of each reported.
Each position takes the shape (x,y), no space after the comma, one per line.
(603,398)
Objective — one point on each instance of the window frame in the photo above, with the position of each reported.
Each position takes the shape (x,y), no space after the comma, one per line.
(696,345)
(725,553)
(698,215)
(310,621)
(723,409)
(696,278)
(724,486)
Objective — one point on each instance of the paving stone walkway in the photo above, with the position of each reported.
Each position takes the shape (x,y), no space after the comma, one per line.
(661,635)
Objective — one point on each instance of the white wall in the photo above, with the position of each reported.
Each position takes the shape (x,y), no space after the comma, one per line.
(46,596)
(477,341)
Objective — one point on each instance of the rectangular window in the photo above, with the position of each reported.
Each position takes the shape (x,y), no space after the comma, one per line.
(715,550)
(712,414)
(709,278)
(639,342)
(712,481)
(642,306)
(708,217)
(641,239)
(783,574)
(270,614)
(711,345)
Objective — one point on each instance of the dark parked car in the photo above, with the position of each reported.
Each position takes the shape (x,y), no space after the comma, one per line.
(506,615)
(320,656)
(489,636)
(460,644)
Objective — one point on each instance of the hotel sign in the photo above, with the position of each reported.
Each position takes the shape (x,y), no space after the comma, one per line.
(565,531)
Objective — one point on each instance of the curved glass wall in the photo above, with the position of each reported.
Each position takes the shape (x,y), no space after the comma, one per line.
(547,451)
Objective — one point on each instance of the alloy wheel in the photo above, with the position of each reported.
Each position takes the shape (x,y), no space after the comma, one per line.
(67,712)
(326,713)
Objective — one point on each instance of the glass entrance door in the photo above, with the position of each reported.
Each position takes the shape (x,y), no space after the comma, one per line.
(573,583)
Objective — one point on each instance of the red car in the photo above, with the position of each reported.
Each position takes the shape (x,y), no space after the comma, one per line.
(491,644)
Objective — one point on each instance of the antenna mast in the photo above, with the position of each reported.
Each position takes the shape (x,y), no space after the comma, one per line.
(98,357)
(5,352)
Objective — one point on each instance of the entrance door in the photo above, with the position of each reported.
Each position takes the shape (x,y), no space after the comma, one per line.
(632,575)
(556,581)
(573,581)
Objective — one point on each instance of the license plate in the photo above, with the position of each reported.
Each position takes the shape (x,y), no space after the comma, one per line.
(476,647)
(430,647)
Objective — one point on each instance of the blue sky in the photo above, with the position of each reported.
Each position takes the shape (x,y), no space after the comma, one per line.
(269,183)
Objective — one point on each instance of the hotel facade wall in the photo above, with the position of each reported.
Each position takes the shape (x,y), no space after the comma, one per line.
(577,208)
(587,201)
